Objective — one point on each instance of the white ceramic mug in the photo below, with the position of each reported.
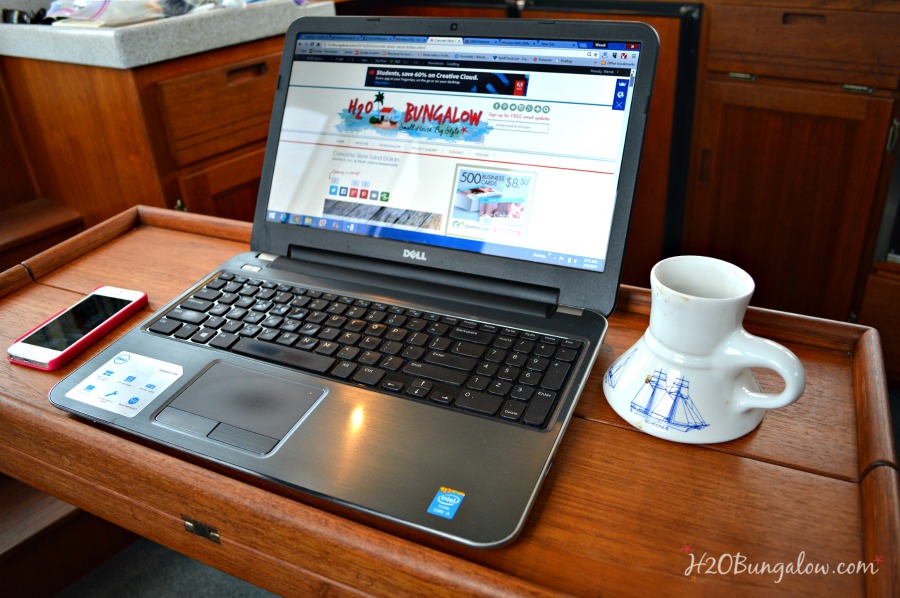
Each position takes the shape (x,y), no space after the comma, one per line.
(688,378)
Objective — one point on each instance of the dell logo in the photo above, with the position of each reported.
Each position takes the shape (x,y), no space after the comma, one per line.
(414,255)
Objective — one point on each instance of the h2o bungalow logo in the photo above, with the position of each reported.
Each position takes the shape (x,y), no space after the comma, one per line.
(422,121)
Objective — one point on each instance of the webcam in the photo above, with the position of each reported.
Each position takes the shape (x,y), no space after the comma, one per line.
(453,26)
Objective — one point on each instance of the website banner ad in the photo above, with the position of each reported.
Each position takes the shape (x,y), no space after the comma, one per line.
(445,80)
(490,203)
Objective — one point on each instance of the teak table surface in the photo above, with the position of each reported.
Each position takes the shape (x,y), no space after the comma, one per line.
(621,512)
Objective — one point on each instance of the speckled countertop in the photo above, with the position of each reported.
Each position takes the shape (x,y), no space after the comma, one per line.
(154,41)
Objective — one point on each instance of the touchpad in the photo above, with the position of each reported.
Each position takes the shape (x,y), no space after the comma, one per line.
(241,406)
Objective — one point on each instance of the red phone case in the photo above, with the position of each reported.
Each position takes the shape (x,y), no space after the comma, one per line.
(88,339)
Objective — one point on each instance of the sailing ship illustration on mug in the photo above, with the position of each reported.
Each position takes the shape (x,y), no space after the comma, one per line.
(663,405)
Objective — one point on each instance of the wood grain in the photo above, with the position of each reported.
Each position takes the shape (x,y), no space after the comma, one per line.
(13,279)
(809,162)
(15,171)
(84,134)
(621,512)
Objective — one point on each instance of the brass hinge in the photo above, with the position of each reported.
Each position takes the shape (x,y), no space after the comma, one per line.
(201,529)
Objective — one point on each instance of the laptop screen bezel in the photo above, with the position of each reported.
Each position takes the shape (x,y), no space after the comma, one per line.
(575,288)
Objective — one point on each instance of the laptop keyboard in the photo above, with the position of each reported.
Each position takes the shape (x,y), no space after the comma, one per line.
(510,374)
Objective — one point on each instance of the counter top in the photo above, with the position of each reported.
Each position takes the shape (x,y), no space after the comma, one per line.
(155,41)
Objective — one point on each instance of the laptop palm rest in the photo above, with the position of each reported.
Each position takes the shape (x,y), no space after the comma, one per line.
(240,407)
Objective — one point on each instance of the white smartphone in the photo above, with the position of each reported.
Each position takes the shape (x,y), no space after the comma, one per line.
(56,341)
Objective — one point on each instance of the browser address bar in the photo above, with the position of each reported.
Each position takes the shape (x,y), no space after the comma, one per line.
(373,46)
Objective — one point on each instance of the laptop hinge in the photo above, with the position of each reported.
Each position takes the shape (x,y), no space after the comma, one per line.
(572,311)
(427,282)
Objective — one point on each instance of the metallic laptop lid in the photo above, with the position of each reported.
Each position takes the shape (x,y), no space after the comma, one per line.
(454,149)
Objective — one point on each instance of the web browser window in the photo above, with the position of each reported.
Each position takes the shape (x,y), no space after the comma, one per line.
(506,147)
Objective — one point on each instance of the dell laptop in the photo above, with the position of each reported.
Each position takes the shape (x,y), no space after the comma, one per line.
(436,246)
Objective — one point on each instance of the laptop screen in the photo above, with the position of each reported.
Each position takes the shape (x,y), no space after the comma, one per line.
(506,147)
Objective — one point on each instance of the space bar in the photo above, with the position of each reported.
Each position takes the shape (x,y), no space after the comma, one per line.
(295,358)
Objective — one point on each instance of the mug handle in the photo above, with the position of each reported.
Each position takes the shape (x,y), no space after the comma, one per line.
(751,351)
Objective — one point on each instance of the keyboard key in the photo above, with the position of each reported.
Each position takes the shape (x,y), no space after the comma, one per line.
(517,360)
(392,385)
(203,335)
(521,392)
(499,387)
(435,372)
(287,338)
(392,363)
(442,397)
(165,326)
(555,375)
(418,392)
(538,408)
(530,378)
(477,382)
(457,362)
(303,360)
(468,349)
(348,353)
(512,409)
(475,336)
(186,331)
(544,350)
(564,354)
(538,364)
(223,340)
(368,376)
(327,348)
(268,335)
(187,315)
(370,357)
(343,370)
(208,294)
(479,402)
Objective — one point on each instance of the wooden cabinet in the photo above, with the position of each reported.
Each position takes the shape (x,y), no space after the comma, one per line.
(789,161)
(216,119)
(189,131)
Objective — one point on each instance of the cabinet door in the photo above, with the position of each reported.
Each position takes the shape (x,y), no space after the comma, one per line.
(227,188)
(784,183)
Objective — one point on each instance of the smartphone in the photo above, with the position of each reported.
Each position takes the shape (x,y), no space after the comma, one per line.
(53,343)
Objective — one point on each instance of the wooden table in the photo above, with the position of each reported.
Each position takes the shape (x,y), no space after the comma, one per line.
(621,513)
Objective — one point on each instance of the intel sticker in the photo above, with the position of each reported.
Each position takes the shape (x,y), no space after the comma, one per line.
(445,502)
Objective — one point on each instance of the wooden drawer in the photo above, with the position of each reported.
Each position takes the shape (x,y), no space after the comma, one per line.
(219,109)
(831,46)
(226,187)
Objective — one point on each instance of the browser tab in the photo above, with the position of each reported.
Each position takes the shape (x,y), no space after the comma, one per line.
(445,41)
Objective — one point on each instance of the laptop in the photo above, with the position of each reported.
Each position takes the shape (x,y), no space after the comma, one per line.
(436,246)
